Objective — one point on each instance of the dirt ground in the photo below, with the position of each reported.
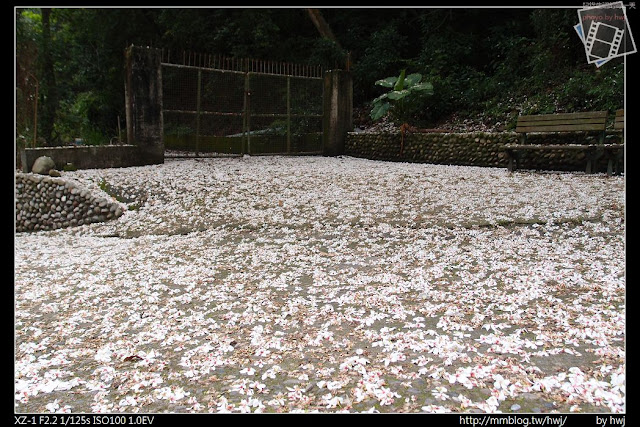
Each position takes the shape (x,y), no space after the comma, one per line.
(302,284)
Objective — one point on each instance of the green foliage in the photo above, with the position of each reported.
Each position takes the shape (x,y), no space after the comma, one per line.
(175,129)
(402,99)
(327,53)
(487,64)
(383,55)
(593,89)
(76,119)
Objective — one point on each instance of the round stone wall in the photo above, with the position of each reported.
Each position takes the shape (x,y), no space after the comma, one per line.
(47,203)
(472,149)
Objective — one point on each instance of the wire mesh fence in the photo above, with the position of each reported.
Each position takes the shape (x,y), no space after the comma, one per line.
(218,105)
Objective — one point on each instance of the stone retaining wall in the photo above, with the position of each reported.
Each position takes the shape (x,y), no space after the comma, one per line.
(87,157)
(470,149)
(46,203)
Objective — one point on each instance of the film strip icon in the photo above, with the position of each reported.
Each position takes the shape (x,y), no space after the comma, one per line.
(603,40)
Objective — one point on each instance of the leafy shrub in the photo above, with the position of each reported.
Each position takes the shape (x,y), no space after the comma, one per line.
(401,101)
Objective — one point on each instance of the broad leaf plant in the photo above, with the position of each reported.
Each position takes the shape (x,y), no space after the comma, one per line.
(401,100)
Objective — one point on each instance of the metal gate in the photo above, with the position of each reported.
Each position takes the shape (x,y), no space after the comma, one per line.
(214,105)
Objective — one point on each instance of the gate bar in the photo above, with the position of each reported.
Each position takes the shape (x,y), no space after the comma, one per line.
(288,114)
(233,64)
(199,93)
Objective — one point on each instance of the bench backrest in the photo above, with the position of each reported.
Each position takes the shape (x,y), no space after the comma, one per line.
(619,123)
(563,122)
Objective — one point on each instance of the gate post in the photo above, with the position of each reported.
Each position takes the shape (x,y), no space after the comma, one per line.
(143,103)
(337,111)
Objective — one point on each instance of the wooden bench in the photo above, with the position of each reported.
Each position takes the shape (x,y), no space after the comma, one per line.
(595,121)
(615,152)
(619,123)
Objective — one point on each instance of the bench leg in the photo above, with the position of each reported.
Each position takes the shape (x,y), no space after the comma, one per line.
(619,163)
(592,160)
(513,160)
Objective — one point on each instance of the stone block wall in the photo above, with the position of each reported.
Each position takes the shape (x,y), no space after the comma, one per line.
(86,157)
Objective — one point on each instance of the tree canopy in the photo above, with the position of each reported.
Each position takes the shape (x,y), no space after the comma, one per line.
(484,64)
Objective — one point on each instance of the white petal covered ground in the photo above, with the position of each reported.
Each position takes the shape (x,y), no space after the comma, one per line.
(291,284)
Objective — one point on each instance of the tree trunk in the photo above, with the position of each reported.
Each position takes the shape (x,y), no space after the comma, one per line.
(48,89)
(321,25)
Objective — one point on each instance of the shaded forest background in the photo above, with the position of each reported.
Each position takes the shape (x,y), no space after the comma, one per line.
(486,65)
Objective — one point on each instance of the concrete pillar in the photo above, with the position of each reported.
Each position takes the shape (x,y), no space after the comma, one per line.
(337,111)
(143,102)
